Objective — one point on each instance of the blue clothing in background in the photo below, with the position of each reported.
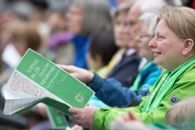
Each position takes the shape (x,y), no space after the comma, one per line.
(147,77)
(126,70)
(95,101)
(81,44)
(113,4)
(111,92)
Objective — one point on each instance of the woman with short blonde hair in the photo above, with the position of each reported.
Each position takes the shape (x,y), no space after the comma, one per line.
(185,17)
(176,55)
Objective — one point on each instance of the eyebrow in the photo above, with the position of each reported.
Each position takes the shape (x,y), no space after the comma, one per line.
(158,33)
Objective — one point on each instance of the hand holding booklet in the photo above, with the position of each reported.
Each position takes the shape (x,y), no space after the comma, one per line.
(36,79)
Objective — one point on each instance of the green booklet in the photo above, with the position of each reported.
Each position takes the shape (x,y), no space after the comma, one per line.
(57,118)
(36,79)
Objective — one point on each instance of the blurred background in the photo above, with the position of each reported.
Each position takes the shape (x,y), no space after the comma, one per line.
(61,30)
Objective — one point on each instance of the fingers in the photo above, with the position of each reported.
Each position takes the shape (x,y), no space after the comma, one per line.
(76,115)
(83,117)
(68,68)
(76,118)
(75,110)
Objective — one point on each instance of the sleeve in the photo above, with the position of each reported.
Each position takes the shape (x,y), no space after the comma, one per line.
(104,117)
(118,95)
(182,89)
(155,116)
(150,80)
(127,73)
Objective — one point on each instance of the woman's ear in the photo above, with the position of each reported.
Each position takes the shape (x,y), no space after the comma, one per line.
(188,46)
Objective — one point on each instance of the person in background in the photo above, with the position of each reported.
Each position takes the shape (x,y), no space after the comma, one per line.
(120,96)
(148,74)
(98,60)
(37,120)
(146,78)
(175,84)
(22,36)
(84,18)
(58,29)
(124,65)
(59,48)
(121,34)
(102,47)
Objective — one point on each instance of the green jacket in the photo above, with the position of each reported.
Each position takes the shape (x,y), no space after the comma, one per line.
(183,87)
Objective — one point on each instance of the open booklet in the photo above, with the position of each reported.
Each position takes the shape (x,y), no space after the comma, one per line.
(36,79)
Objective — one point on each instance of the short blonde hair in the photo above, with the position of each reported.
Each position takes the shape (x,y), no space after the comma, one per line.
(182,113)
(180,20)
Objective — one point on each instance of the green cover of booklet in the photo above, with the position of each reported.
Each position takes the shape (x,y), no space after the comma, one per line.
(57,118)
(36,79)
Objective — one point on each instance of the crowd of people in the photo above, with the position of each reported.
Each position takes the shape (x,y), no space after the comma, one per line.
(138,56)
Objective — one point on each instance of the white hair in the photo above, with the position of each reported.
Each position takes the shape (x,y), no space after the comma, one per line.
(151,18)
(156,4)
(174,2)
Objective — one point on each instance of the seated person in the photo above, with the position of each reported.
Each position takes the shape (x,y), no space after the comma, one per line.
(118,95)
(101,42)
(173,49)
(124,66)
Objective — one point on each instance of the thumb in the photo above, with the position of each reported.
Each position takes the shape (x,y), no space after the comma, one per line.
(68,68)
(74,110)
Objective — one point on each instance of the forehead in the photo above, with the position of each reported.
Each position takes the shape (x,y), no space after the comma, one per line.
(119,13)
(121,16)
(162,27)
(134,13)
(75,8)
(144,26)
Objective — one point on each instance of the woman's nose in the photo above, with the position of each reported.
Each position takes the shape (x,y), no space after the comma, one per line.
(152,43)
